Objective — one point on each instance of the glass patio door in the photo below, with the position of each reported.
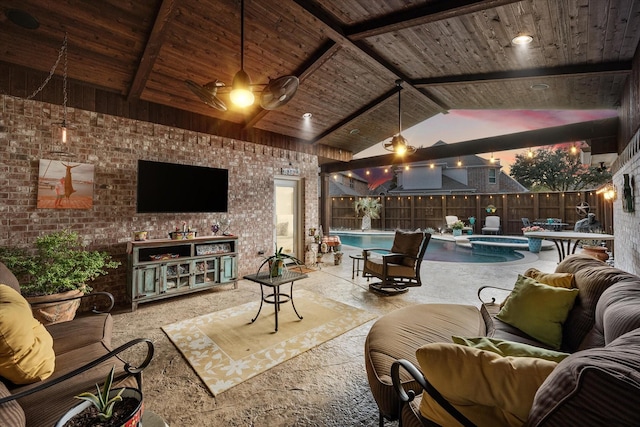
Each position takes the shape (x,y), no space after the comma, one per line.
(288,215)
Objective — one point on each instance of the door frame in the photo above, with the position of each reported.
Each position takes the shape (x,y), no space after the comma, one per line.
(298,227)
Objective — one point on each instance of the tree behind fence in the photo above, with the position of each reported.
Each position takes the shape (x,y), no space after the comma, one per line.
(412,212)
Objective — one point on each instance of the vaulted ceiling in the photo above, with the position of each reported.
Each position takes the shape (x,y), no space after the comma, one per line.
(451,54)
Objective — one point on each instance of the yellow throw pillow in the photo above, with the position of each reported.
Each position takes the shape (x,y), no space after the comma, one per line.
(559,280)
(538,310)
(26,347)
(485,387)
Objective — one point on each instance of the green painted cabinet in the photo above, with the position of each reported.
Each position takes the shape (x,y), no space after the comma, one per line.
(162,268)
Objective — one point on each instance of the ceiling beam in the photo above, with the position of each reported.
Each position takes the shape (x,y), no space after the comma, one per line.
(166,13)
(566,70)
(420,15)
(355,114)
(313,63)
(554,135)
(334,31)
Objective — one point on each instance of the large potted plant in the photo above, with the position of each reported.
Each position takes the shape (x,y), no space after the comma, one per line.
(370,209)
(108,407)
(457,228)
(59,267)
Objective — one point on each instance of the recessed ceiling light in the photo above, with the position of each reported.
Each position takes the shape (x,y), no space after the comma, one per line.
(22,19)
(354,131)
(521,40)
(539,86)
(307,115)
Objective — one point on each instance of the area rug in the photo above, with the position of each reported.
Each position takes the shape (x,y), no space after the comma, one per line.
(224,348)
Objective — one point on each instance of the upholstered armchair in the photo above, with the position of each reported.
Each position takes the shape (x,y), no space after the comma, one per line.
(492,225)
(398,268)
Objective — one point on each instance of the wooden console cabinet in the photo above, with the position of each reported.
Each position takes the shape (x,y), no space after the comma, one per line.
(162,268)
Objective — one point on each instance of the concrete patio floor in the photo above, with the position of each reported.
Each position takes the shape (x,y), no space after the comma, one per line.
(325,386)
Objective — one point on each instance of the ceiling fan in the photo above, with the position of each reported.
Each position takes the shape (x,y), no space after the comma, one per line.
(398,143)
(275,94)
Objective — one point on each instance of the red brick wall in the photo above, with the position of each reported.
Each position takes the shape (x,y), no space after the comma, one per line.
(114,145)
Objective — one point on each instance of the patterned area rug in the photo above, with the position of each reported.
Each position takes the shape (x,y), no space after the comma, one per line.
(225,348)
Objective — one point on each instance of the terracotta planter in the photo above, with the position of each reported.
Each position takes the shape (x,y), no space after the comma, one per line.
(133,420)
(55,312)
(599,252)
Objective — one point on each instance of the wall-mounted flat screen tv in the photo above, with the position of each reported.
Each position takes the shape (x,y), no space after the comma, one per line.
(171,187)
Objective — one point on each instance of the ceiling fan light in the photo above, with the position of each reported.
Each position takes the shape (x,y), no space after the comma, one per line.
(241,94)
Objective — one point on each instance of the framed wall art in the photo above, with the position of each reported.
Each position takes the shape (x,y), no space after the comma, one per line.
(65,185)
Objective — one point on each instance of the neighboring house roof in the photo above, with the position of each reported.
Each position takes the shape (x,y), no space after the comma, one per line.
(449,185)
(510,185)
(338,189)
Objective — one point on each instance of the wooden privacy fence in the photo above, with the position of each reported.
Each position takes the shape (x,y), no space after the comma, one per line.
(412,212)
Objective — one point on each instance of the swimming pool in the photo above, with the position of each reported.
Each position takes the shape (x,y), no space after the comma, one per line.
(438,249)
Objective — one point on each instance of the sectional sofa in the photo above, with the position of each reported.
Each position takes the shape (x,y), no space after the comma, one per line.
(479,369)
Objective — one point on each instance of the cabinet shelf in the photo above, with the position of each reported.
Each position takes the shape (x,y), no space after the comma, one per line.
(164,268)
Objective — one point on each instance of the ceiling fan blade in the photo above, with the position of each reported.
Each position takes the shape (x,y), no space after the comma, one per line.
(278,92)
(207,93)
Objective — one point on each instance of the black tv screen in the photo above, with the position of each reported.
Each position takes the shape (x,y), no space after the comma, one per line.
(171,187)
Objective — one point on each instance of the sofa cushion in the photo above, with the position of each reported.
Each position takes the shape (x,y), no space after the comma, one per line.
(11,413)
(559,280)
(617,312)
(26,348)
(407,243)
(538,309)
(510,348)
(487,388)
(598,386)
(81,332)
(592,277)
(398,334)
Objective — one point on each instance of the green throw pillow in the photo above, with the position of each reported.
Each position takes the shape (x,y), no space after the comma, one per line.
(510,348)
(538,310)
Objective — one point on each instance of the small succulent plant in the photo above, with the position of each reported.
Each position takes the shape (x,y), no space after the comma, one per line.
(101,400)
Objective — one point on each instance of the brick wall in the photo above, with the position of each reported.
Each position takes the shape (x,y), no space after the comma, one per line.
(627,224)
(114,145)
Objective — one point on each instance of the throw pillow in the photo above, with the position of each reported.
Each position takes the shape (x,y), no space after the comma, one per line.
(510,348)
(26,347)
(487,388)
(559,280)
(408,244)
(538,310)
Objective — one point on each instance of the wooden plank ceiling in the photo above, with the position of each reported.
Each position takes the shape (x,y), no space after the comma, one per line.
(348,55)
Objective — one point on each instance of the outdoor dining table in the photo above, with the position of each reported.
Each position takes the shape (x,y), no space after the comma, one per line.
(560,238)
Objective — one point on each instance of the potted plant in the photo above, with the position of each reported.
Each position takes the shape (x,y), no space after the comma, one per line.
(457,228)
(370,209)
(535,243)
(59,267)
(276,263)
(117,407)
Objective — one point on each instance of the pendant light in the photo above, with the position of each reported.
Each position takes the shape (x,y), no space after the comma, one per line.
(241,94)
(399,144)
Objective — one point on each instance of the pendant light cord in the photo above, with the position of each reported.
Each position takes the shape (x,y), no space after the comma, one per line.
(242,34)
(399,106)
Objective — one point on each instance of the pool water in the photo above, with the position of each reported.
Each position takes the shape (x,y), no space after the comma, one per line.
(438,250)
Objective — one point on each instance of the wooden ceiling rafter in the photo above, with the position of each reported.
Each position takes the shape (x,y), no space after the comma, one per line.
(313,63)
(566,70)
(337,33)
(166,12)
(420,15)
(591,130)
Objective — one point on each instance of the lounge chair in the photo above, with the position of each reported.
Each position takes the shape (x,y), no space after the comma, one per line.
(400,267)
(491,225)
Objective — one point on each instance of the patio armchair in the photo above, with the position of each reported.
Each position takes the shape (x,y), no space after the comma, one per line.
(450,220)
(399,268)
(492,225)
